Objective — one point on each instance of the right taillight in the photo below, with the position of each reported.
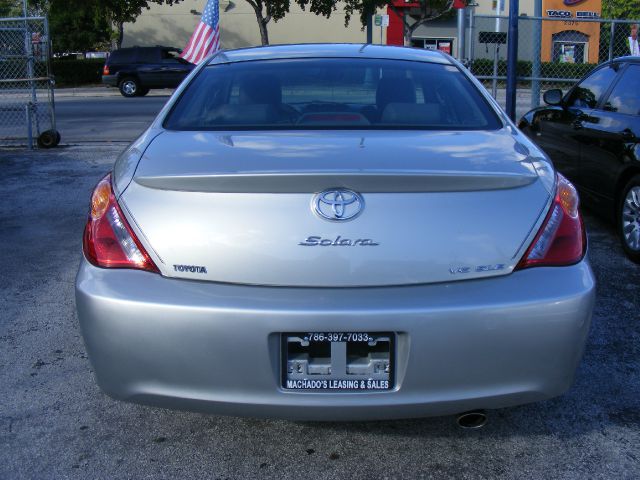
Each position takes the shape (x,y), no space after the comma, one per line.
(105,70)
(561,239)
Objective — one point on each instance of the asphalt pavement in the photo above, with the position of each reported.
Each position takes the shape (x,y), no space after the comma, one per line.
(56,423)
(98,115)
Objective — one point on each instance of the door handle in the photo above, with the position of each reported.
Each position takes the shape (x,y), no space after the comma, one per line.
(578,117)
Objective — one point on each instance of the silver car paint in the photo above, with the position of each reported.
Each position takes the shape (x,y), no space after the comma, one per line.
(299,162)
(127,161)
(332,50)
(460,200)
(214,347)
(205,346)
(126,164)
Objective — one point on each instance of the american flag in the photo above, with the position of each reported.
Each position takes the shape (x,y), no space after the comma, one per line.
(206,38)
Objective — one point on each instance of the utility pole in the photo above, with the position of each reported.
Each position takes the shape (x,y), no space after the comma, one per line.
(537,43)
(512,59)
(369,26)
(461,32)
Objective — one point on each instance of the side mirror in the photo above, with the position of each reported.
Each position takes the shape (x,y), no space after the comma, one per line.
(553,97)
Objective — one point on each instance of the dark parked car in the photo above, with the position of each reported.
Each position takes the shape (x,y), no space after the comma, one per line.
(592,136)
(135,70)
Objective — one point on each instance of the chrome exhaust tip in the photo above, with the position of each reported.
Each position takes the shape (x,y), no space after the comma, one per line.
(472,420)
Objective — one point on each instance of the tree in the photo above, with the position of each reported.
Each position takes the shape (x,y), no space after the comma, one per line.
(78,26)
(617,9)
(125,11)
(426,11)
(10,8)
(267,10)
(621,9)
(81,25)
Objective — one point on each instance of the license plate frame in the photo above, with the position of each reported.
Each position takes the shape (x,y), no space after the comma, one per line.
(358,362)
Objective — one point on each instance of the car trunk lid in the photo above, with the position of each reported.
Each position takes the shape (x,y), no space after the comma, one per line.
(437,206)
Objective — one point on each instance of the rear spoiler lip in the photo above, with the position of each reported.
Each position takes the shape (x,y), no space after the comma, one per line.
(364,182)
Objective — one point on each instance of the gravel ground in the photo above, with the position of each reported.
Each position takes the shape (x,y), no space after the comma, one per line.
(55,423)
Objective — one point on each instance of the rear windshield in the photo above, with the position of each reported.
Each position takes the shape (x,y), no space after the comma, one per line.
(331,93)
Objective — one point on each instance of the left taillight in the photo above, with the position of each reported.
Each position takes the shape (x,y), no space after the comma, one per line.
(108,240)
(105,70)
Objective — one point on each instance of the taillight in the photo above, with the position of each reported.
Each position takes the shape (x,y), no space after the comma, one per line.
(108,240)
(561,239)
(105,70)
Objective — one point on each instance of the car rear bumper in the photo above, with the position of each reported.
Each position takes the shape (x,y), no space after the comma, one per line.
(111,80)
(212,347)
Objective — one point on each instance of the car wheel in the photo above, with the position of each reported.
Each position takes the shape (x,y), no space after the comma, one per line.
(142,91)
(49,139)
(629,219)
(129,87)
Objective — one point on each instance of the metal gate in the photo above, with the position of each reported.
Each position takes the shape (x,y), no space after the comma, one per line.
(27,108)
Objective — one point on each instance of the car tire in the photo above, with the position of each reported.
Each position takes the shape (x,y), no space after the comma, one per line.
(142,91)
(129,87)
(629,219)
(49,139)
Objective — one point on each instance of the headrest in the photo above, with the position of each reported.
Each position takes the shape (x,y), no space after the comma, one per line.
(395,90)
(412,114)
(257,114)
(260,89)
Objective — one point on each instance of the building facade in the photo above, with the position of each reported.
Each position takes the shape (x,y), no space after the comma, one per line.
(173,25)
(567,40)
(564,37)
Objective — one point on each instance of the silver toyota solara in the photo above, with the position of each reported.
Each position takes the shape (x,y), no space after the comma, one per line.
(334,232)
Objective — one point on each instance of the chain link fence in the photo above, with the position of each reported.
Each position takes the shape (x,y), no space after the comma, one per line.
(552,52)
(27,110)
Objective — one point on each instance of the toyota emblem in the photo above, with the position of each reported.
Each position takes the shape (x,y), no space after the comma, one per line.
(338,204)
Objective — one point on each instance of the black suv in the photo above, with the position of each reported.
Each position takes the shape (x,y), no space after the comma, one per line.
(137,69)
